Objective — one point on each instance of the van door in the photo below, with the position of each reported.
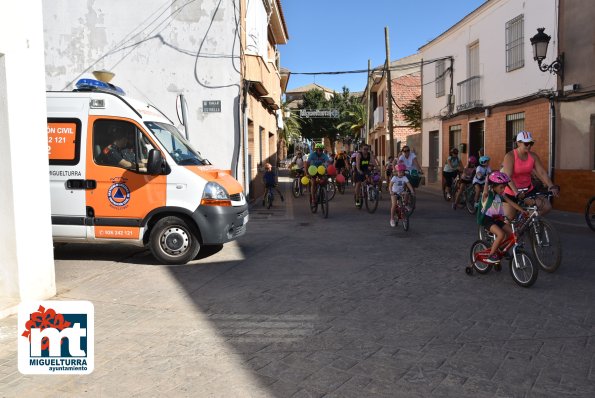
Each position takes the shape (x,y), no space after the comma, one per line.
(125,193)
(67,181)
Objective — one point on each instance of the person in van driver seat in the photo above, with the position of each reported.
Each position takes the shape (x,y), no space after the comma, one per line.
(120,152)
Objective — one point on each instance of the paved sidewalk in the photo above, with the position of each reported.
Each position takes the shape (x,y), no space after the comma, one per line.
(303,306)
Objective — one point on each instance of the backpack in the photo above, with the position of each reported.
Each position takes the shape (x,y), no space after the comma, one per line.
(482,212)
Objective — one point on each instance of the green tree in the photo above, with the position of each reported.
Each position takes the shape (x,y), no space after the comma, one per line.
(355,116)
(291,131)
(412,113)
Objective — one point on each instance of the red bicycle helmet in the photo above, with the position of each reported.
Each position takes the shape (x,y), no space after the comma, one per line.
(472,160)
(400,167)
(498,177)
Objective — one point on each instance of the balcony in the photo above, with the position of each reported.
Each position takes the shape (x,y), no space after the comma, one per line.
(469,94)
(378,116)
(265,79)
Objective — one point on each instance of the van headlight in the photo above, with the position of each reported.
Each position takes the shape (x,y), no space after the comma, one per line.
(215,195)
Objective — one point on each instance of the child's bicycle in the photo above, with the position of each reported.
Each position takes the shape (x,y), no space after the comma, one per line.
(268,197)
(402,211)
(523,272)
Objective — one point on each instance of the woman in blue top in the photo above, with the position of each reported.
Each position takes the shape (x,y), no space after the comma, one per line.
(450,171)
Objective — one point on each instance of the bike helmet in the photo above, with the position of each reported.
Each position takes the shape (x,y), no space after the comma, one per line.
(498,177)
(319,146)
(472,160)
(483,160)
(401,167)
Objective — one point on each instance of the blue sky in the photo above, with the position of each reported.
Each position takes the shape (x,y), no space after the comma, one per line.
(337,35)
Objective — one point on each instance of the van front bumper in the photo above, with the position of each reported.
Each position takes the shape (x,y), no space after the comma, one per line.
(219,224)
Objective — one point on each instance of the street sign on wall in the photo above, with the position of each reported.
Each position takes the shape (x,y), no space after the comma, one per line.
(320,113)
(211,106)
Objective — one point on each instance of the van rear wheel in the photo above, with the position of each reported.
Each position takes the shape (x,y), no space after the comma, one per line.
(172,241)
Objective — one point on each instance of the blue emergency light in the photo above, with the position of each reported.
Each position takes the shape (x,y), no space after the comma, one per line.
(97,85)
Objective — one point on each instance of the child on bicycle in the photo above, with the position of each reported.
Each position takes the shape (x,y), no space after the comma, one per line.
(269,181)
(482,171)
(397,187)
(466,178)
(493,211)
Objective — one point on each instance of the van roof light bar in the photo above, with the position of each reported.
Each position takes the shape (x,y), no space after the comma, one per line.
(97,85)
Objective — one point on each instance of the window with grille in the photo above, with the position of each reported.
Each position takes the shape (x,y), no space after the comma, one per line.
(454,136)
(515,57)
(440,80)
(514,123)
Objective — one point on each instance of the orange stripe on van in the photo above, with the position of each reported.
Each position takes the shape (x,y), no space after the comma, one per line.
(222,177)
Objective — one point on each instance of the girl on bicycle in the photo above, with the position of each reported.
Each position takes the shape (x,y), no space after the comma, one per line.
(482,171)
(450,171)
(397,187)
(466,178)
(492,208)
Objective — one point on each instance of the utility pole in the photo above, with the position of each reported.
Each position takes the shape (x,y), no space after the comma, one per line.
(368,102)
(391,139)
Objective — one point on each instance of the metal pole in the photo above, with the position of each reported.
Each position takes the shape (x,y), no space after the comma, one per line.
(389,84)
(368,103)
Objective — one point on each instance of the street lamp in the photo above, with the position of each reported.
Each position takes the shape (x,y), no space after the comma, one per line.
(540,42)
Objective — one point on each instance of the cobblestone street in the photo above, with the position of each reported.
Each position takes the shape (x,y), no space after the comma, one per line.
(347,306)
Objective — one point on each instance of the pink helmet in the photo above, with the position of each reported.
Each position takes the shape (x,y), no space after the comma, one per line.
(472,160)
(401,167)
(498,177)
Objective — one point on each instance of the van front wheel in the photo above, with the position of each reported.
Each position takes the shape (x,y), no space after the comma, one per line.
(172,241)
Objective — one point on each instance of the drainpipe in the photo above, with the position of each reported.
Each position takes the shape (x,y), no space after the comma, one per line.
(552,151)
(247,168)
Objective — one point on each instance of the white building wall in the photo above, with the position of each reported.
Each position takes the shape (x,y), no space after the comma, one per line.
(26,263)
(157,51)
(487,25)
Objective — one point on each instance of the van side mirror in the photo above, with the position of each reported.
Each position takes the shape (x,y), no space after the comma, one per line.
(155,163)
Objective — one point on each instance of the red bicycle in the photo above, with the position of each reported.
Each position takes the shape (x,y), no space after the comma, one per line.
(523,272)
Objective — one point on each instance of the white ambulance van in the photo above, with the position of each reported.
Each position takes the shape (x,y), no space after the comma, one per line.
(121,172)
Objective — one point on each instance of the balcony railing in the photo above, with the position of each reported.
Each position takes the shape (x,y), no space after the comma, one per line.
(469,94)
(378,116)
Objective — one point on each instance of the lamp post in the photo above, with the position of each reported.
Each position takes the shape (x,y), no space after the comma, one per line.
(540,42)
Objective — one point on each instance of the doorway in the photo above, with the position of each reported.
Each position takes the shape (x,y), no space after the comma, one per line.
(476,136)
(434,160)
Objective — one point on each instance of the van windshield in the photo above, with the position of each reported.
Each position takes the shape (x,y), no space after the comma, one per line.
(177,146)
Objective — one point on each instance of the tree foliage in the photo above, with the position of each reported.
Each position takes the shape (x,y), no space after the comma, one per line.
(412,113)
(351,115)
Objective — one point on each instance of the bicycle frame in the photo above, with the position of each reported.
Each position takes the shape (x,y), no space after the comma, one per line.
(509,243)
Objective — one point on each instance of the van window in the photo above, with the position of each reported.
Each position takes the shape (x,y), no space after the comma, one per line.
(64,141)
(176,145)
(119,143)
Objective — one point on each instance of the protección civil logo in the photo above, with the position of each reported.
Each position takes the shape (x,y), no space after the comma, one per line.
(56,337)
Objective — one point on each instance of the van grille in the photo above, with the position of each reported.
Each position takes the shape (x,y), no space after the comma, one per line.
(236,197)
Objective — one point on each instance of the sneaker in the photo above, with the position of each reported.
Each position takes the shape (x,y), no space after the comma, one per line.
(357,203)
(392,223)
(448,197)
(493,259)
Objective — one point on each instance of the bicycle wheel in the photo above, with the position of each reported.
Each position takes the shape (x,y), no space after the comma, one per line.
(296,189)
(371,199)
(590,213)
(405,220)
(522,269)
(341,188)
(410,204)
(478,265)
(546,246)
(331,189)
(485,235)
(323,199)
(269,200)
(470,200)
(314,207)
